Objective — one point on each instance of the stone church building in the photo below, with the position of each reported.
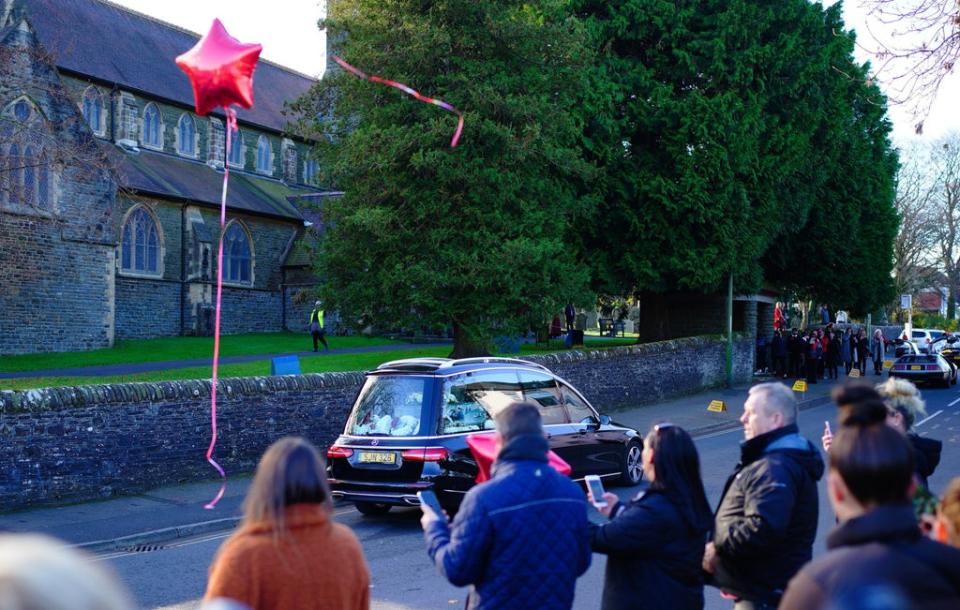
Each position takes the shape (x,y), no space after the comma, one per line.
(110,186)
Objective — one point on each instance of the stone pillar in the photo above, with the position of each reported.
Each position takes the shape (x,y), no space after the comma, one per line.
(749,318)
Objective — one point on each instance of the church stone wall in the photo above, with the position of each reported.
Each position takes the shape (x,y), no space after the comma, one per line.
(56,261)
(147,308)
(248,310)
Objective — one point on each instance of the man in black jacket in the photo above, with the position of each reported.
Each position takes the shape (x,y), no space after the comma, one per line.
(878,545)
(767,520)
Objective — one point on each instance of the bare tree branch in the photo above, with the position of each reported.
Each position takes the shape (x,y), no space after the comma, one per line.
(46,143)
(916,44)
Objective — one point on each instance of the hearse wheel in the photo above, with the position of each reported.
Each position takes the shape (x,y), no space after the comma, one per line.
(632,464)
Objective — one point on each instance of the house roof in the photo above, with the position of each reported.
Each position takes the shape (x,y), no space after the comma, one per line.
(168,176)
(929,301)
(110,43)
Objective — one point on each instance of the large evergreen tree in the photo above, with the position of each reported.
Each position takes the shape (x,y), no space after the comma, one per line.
(716,123)
(472,237)
(842,252)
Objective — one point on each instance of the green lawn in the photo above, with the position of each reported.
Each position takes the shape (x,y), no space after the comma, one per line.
(187,348)
(309,364)
(179,348)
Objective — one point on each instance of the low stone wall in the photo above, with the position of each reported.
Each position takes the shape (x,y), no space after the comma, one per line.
(73,444)
(630,376)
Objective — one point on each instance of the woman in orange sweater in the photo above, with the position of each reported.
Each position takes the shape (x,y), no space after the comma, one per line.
(280,556)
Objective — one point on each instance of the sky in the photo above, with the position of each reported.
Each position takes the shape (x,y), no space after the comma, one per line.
(943,118)
(288,31)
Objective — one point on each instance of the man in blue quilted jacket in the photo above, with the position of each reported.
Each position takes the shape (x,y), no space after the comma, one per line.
(521,538)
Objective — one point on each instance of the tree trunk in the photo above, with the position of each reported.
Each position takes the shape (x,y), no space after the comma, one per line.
(464,346)
(952,300)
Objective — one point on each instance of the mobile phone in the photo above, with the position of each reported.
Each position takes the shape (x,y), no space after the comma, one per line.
(596,490)
(826,428)
(430,500)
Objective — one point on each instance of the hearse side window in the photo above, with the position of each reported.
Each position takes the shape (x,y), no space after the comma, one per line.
(470,401)
(389,406)
(541,389)
(580,412)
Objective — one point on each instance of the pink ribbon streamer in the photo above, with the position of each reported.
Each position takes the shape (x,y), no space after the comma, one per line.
(230,127)
(408,91)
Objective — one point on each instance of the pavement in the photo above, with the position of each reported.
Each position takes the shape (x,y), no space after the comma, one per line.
(133,523)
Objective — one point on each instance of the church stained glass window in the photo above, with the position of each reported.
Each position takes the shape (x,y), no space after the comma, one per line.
(264,161)
(237,255)
(93,110)
(140,244)
(186,130)
(236,148)
(152,128)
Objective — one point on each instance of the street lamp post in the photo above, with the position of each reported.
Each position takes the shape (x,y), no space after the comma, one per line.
(730,331)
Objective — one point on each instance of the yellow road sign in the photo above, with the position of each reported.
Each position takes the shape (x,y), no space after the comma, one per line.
(717,406)
(800,386)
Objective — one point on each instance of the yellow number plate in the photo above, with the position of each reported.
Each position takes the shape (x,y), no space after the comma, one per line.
(378,457)
(916,367)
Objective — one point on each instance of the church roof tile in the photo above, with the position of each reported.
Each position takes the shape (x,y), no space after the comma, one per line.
(110,43)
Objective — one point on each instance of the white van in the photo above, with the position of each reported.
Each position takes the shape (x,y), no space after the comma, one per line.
(923,338)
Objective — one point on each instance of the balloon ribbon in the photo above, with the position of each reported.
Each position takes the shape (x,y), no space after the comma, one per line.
(408,91)
(231,126)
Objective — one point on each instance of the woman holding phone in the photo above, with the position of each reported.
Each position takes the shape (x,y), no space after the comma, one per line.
(654,543)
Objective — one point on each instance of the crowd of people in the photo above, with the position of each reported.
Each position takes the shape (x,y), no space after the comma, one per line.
(821,353)
(523,538)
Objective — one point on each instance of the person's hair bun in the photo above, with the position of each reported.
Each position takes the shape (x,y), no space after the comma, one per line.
(866,413)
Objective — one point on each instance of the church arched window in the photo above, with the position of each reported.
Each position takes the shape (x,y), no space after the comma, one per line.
(43,182)
(186,132)
(93,110)
(26,177)
(152,127)
(264,161)
(237,255)
(29,176)
(140,243)
(236,149)
(14,174)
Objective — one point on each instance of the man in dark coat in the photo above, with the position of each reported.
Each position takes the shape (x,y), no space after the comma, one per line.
(521,538)
(878,545)
(795,347)
(570,313)
(778,348)
(766,523)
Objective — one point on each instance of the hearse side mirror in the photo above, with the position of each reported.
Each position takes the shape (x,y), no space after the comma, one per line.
(604,420)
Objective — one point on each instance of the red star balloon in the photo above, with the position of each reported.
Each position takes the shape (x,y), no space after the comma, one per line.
(220,68)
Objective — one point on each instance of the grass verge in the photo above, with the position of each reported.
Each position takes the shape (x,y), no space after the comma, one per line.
(308,364)
(179,348)
(159,350)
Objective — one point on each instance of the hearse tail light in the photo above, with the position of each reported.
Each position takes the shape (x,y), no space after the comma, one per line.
(339,452)
(428,454)
(933,367)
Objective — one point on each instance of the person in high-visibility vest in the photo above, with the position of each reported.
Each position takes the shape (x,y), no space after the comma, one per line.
(316,326)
